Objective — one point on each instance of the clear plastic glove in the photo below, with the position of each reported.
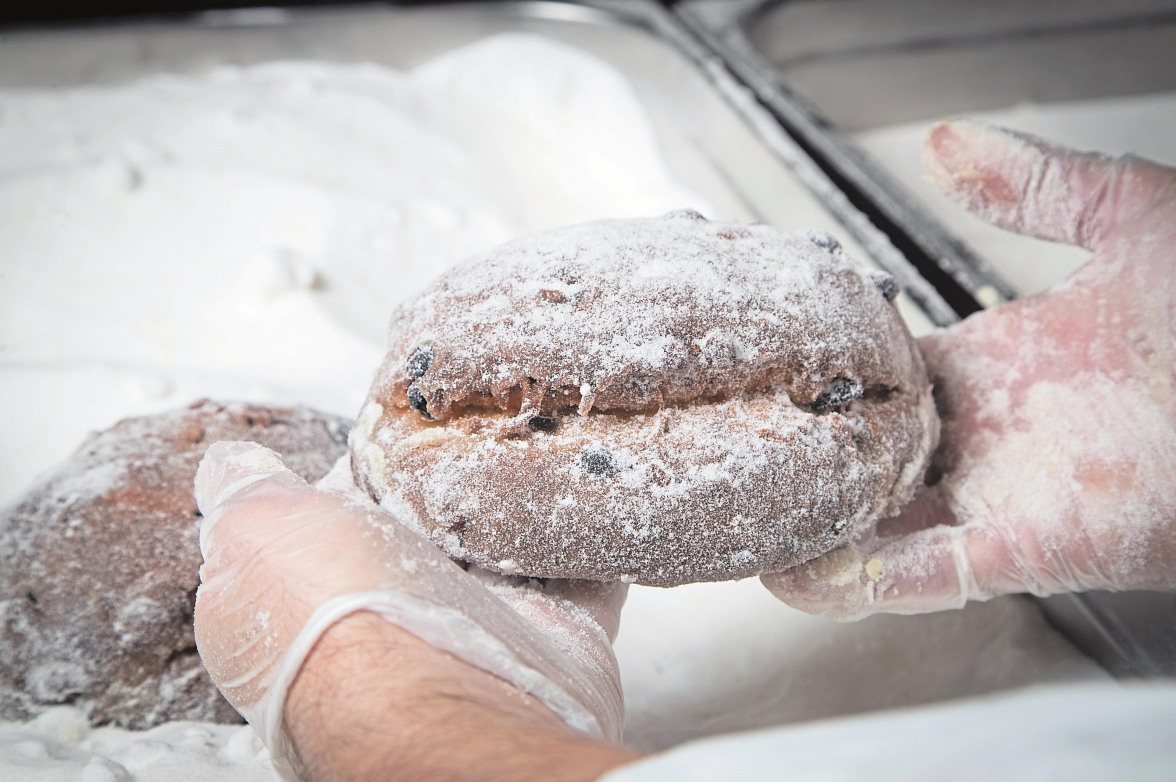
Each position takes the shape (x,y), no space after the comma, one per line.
(1056,470)
(285,561)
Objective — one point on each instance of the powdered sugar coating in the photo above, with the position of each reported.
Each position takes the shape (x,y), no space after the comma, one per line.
(625,316)
(101,561)
(662,400)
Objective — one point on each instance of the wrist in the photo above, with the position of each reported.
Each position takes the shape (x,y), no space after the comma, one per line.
(375,702)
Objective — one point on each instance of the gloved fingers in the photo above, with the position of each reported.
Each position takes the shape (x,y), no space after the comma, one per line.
(556,607)
(914,574)
(580,618)
(602,600)
(595,603)
(339,480)
(921,561)
(599,601)
(943,567)
(267,564)
(236,468)
(1028,185)
(257,511)
(286,561)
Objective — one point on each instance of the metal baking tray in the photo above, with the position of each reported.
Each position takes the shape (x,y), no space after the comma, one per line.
(829,67)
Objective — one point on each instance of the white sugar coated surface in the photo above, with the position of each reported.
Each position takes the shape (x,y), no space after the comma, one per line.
(245,233)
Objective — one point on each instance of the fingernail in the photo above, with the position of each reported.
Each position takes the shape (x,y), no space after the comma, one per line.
(937,149)
(977,165)
(228,467)
(949,154)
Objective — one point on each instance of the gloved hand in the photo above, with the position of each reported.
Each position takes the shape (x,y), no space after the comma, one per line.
(1056,470)
(285,561)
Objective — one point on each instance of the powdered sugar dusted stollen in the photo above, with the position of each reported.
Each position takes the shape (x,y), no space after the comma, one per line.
(99,566)
(661,401)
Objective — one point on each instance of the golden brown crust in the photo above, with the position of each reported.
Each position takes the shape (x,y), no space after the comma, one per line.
(99,566)
(664,401)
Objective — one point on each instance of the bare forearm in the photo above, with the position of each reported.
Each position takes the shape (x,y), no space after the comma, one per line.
(373,702)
